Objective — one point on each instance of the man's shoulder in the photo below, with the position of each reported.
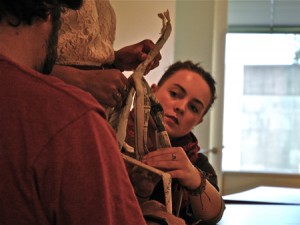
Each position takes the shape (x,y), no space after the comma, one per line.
(68,99)
(70,96)
(47,89)
(45,97)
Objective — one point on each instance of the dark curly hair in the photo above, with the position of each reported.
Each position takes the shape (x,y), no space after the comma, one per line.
(17,12)
(195,67)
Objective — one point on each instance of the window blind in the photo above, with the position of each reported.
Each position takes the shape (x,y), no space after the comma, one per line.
(266,16)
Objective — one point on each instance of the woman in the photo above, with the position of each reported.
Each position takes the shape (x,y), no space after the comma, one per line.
(186,92)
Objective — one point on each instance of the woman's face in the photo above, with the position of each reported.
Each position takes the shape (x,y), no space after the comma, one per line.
(184,98)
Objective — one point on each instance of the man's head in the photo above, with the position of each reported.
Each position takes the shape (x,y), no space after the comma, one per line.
(186,92)
(25,11)
(22,13)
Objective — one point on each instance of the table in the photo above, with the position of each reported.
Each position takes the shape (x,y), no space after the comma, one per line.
(266,195)
(263,205)
(261,214)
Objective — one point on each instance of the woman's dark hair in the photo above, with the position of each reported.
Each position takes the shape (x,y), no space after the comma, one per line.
(195,67)
(25,11)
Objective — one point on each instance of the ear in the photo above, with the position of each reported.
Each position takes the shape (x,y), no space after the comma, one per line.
(153,88)
(40,20)
(41,24)
(49,18)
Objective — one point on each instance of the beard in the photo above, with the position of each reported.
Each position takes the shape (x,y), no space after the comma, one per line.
(51,44)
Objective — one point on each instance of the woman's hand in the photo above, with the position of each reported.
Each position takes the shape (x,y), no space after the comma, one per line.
(174,161)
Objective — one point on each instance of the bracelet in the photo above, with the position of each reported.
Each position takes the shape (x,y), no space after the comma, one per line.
(199,190)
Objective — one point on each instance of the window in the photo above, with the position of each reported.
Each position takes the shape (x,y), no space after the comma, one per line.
(261,130)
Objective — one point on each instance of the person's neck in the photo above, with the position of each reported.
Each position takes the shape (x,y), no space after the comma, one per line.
(16,43)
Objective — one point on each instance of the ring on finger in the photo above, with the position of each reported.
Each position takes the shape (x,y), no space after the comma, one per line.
(173,157)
